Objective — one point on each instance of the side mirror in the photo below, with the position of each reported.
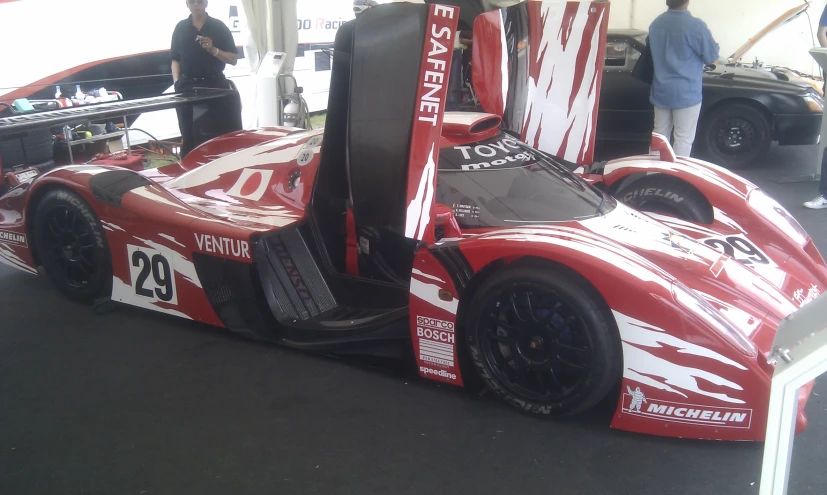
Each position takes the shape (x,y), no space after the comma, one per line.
(660,145)
(445,223)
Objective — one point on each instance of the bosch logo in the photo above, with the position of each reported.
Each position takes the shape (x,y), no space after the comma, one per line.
(437,335)
(434,323)
(439,373)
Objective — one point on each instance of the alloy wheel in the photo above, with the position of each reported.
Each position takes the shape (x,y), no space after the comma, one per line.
(70,245)
(536,344)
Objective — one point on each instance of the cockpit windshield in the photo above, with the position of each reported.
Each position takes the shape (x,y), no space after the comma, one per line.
(502,182)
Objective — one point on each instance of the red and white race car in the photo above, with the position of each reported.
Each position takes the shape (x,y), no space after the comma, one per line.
(400,223)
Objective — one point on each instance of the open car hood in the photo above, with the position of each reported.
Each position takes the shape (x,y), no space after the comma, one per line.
(785,18)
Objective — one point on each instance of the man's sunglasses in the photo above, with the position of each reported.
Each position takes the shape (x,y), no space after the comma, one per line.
(193,2)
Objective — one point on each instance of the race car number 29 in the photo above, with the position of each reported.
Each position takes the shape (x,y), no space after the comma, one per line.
(740,248)
(152,274)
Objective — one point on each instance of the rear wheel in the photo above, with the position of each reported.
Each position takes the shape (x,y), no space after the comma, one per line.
(735,135)
(667,195)
(542,339)
(71,245)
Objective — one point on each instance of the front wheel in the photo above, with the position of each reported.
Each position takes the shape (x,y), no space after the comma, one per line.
(734,135)
(667,195)
(543,340)
(71,245)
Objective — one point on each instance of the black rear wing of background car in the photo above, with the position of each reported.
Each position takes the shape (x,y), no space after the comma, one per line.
(19,124)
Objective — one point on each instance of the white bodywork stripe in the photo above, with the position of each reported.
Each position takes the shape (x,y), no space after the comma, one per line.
(430,294)
(423,274)
(7,257)
(641,365)
(504,60)
(419,210)
(548,96)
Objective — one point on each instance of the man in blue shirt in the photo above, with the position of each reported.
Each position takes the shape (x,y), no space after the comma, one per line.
(820,202)
(680,45)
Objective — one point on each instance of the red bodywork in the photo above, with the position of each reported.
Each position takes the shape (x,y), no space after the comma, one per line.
(696,324)
(243,184)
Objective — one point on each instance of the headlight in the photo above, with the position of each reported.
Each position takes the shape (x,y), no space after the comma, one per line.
(707,314)
(814,103)
(778,216)
(818,86)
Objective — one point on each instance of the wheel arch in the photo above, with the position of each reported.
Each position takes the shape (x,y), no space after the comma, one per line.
(722,188)
(630,179)
(495,266)
(36,196)
(469,375)
(609,268)
(755,103)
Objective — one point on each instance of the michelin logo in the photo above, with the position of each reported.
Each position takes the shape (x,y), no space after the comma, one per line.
(675,412)
(637,398)
(13,238)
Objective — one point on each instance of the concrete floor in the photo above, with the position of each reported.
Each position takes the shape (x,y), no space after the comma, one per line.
(136,403)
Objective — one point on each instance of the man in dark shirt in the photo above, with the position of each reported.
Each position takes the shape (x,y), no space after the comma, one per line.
(201,48)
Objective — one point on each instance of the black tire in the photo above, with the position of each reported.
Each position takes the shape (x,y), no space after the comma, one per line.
(533,366)
(71,246)
(734,135)
(38,146)
(11,153)
(667,195)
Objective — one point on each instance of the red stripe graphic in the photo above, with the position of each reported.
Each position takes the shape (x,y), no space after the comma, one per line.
(566,45)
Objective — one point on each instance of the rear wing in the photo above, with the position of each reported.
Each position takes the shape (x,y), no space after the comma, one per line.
(19,124)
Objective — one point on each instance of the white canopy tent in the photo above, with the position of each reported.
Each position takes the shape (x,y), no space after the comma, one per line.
(271,51)
(272,26)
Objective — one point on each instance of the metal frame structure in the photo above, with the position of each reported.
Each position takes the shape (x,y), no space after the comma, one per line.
(67,132)
(800,353)
(19,124)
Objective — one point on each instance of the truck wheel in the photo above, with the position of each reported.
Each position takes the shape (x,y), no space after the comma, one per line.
(71,245)
(734,135)
(667,195)
(542,339)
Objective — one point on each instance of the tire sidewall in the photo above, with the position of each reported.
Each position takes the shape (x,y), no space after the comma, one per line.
(101,283)
(669,191)
(606,366)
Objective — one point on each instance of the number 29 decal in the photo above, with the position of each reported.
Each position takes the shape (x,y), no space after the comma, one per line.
(740,248)
(152,274)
